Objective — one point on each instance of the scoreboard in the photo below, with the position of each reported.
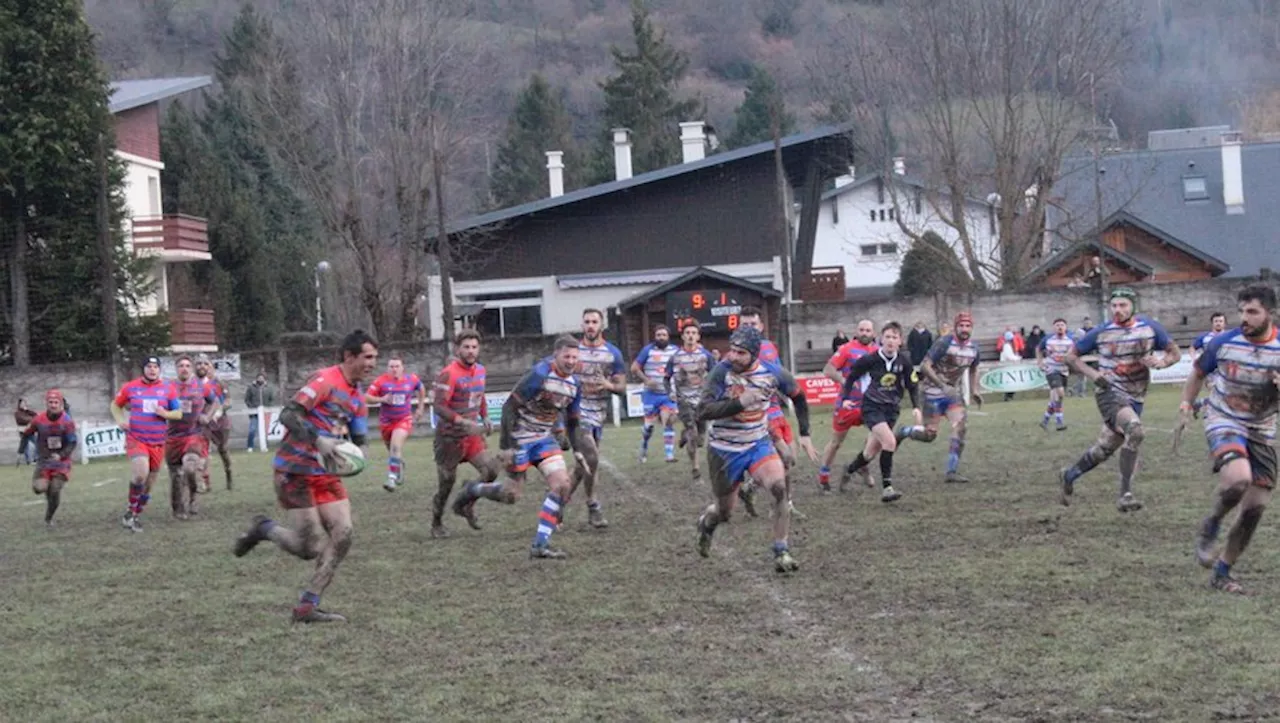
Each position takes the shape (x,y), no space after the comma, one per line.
(715,310)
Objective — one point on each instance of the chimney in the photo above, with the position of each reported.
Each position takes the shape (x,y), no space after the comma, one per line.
(1232,174)
(900,165)
(555,172)
(622,153)
(693,139)
(842,181)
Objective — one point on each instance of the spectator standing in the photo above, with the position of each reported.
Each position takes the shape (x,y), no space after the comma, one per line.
(838,341)
(1033,342)
(919,341)
(1009,353)
(23,416)
(257,395)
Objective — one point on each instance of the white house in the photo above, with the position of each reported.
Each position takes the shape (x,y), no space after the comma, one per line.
(167,238)
(859,226)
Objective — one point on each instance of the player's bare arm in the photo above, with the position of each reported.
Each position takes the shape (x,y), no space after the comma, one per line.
(1172,354)
(929,373)
(1077,364)
(801,405)
(121,417)
(830,372)
(973,386)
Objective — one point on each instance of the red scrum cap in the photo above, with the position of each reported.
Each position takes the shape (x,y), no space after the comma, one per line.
(962,317)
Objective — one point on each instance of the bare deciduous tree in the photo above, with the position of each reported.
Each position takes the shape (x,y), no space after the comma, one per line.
(987,97)
(370,107)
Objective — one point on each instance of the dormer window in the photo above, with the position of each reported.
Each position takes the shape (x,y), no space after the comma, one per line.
(1195,188)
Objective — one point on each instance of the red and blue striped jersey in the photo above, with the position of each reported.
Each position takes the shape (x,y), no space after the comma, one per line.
(951,359)
(331,402)
(544,395)
(141,399)
(460,389)
(1055,349)
(1120,349)
(52,436)
(193,395)
(741,431)
(399,393)
(843,360)
(1242,389)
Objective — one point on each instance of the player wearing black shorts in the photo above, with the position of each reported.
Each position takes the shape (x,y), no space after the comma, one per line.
(890,377)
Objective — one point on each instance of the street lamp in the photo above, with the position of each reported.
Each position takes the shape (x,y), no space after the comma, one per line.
(321,268)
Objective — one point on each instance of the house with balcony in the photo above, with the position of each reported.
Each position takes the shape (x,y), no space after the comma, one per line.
(167,239)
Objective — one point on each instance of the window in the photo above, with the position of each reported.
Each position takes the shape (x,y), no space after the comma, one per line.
(153,195)
(919,201)
(508,313)
(1195,188)
(874,250)
(893,214)
(882,214)
(873,215)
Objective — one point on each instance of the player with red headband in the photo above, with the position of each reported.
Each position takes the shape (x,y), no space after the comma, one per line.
(143,408)
(944,366)
(55,435)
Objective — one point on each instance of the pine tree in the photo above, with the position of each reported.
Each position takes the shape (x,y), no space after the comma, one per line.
(259,230)
(55,127)
(642,97)
(753,120)
(931,266)
(538,124)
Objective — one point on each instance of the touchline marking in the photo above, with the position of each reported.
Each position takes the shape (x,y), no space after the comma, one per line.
(105,482)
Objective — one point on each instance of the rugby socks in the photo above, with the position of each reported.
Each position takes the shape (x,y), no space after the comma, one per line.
(886,468)
(780,547)
(669,441)
(395,466)
(135,491)
(858,463)
(548,518)
(143,499)
(1221,569)
(644,439)
(824,475)
(308,599)
(953,456)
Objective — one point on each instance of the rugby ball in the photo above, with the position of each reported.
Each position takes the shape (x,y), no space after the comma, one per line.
(348,460)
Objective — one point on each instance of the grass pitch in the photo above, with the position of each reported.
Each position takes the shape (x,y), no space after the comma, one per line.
(980,602)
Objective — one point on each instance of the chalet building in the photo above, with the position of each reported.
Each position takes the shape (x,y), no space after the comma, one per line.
(859,227)
(169,239)
(1197,204)
(531,269)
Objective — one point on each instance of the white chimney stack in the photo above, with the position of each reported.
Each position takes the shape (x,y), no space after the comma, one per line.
(1232,173)
(555,172)
(622,153)
(693,139)
(842,181)
(900,165)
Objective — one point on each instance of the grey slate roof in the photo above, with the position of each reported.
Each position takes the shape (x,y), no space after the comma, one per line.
(127,94)
(694,273)
(1147,185)
(601,189)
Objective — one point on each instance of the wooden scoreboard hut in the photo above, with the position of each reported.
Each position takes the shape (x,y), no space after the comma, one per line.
(712,298)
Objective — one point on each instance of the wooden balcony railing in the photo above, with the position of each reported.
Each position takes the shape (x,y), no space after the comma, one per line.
(823,283)
(176,235)
(192,327)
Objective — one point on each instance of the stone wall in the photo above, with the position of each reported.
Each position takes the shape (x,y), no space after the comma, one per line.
(1182,306)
